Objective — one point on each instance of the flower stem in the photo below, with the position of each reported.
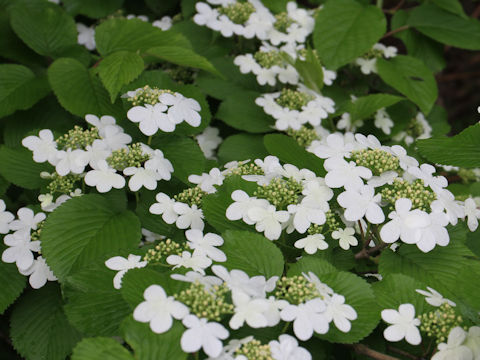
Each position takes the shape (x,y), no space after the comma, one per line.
(380,3)
(149,141)
(285,328)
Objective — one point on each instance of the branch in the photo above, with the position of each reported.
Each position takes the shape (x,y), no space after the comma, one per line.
(365,253)
(397,30)
(403,353)
(365,350)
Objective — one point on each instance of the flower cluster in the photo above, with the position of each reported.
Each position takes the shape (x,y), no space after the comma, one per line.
(368,62)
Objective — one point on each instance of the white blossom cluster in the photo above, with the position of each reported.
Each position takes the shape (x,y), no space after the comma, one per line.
(368,63)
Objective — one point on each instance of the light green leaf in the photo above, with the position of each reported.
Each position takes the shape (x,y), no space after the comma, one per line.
(242,147)
(43,26)
(150,346)
(80,91)
(19,168)
(252,253)
(411,78)
(310,70)
(133,35)
(311,263)
(92,8)
(100,348)
(39,328)
(445,27)
(461,150)
(183,57)
(84,231)
(20,88)
(365,106)
(119,69)
(13,283)
(240,112)
(288,150)
(345,30)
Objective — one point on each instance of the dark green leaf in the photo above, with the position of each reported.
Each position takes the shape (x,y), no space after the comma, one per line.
(100,348)
(310,70)
(92,8)
(242,147)
(13,283)
(365,106)
(311,263)
(453,6)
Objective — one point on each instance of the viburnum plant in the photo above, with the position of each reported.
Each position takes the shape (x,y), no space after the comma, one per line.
(235,180)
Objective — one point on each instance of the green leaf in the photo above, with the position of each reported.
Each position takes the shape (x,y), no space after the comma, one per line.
(365,106)
(411,78)
(311,263)
(184,154)
(20,88)
(150,346)
(345,30)
(84,231)
(119,69)
(453,6)
(19,168)
(183,57)
(39,328)
(13,283)
(92,8)
(445,27)
(288,150)
(100,348)
(240,112)
(94,306)
(78,90)
(438,120)
(310,70)
(43,26)
(242,147)
(252,253)
(215,205)
(133,35)
(461,150)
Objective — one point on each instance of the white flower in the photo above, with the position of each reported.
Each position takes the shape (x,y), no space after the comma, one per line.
(27,220)
(405,160)
(207,181)
(446,201)
(242,204)
(70,161)
(115,137)
(286,348)
(206,244)
(20,249)
(472,213)
(203,334)
(158,309)
(268,220)
(267,76)
(317,191)
(100,123)
(181,109)
(164,23)
(44,147)
(362,203)
(339,312)
(247,64)
(425,172)
(6,218)
(248,310)
(388,51)
(208,141)
(157,162)
(151,118)
(405,223)
(305,214)
(324,290)
(312,243)
(164,207)
(193,277)
(435,233)
(197,261)
(328,76)
(386,177)
(122,265)
(96,152)
(141,177)
(273,311)
(473,341)
(39,273)
(404,324)
(104,178)
(206,16)
(345,237)
(335,147)
(86,36)
(434,298)
(454,348)
(346,174)
(150,236)
(307,318)
(367,66)
(48,205)
(383,121)
(189,217)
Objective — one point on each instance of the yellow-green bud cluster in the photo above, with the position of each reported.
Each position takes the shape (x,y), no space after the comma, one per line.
(147,95)
(132,155)
(280,192)
(332,223)
(35,235)
(415,128)
(267,59)
(304,136)
(377,160)
(293,99)
(162,250)
(303,53)
(249,168)
(373,53)
(282,22)
(62,184)
(467,175)
(438,323)
(420,195)
(191,196)
(77,138)
(209,304)
(239,12)
(180,74)
(255,350)
(296,289)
